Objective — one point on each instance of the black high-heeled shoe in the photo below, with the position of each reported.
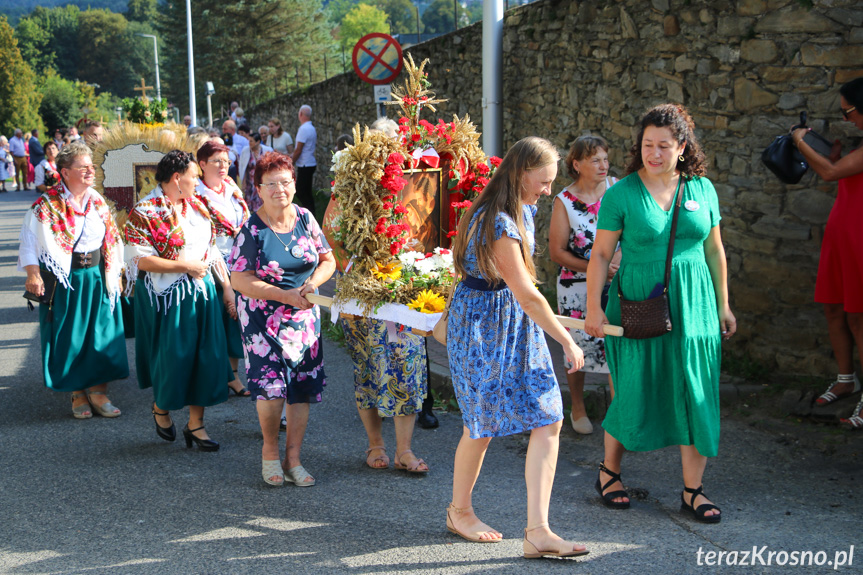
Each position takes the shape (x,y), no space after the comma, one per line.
(203,444)
(166,433)
(699,512)
(609,498)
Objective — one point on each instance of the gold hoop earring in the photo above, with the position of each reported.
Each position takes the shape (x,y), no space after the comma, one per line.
(680,158)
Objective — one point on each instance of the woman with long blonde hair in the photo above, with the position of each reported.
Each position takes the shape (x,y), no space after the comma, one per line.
(501,367)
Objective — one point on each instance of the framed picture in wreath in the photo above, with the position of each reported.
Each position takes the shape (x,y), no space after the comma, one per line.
(423,199)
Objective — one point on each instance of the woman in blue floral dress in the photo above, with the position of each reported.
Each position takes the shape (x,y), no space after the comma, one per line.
(280,256)
(500,363)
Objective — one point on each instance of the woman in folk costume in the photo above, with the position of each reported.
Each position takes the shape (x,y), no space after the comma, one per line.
(70,241)
(228,212)
(180,339)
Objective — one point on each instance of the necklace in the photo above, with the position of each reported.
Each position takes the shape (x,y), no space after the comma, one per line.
(275,233)
(85,211)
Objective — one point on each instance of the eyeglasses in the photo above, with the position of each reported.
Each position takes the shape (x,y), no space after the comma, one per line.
(272,186)
(220,162)
(846,113)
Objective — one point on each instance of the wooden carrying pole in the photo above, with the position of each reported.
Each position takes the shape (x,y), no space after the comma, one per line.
(614,330)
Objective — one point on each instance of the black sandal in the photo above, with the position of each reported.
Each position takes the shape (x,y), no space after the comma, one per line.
(609,498)
(699,512)
(243,391)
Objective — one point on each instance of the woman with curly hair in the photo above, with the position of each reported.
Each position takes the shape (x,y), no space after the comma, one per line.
(180,338)
(666,387)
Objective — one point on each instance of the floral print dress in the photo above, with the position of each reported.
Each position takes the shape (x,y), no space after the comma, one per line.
(282,344)
(572,286)
(501,368)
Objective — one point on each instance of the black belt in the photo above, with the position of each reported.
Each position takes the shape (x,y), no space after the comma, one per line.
(86,260)
(482,285)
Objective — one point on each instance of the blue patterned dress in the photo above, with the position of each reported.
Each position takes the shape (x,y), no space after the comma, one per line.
(282,344)
(500,364)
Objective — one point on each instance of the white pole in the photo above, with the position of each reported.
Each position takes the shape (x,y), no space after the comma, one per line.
(209,111)
(158,85)
(192,109)
(492,77)
(156,54)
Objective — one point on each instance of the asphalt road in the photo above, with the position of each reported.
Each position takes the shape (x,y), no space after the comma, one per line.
(109,496)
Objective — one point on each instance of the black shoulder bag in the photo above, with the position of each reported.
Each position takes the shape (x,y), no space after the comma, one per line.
(651,318)
(50,281)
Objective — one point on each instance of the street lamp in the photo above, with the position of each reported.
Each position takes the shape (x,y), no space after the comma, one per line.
(193,110)
(210,91)
(156,53)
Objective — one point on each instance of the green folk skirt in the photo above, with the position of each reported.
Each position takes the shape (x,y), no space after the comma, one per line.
(233,335)
(180,349)
(83,343)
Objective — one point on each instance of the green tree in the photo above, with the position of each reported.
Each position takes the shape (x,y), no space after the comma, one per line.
(141,11)
(111,56)
(402,15)
(361,20)
(18,91)
(250,62)
(338,9)
(48,38)
(438,17)
(59,107)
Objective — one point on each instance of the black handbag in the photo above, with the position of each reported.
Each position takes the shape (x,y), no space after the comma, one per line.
(651,317)
(50,281)
(784,159)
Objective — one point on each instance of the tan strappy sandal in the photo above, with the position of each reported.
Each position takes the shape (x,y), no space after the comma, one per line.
(370,461)
(472,538)
(532,552)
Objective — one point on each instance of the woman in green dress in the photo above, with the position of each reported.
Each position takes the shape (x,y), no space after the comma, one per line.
(667,387)
(180,337)
(69,235)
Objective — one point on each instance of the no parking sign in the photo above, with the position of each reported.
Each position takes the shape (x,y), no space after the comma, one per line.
(377,58)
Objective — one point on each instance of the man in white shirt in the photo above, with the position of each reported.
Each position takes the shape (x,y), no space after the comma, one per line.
(304,158)
(20,155)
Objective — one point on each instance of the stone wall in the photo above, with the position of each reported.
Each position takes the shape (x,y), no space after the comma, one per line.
(744,69)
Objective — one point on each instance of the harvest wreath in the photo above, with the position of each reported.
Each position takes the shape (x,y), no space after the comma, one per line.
(374,225)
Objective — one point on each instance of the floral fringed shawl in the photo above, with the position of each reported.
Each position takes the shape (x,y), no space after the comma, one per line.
(154,229)
(224,228)
(52,221)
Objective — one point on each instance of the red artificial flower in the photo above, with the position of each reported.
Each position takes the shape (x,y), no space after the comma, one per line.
(382,226)
(388,198)
(387,206)
(444,252)
(404,120)
(416,137)
(394,230)
(404,129)
(494,161)
(395,158)
(400,209)
(332,183)
(394,248)
(393,170)
(451,234)
(483,169)
(482,181)
(394,185)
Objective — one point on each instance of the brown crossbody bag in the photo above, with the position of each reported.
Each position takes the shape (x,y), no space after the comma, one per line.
(651,317)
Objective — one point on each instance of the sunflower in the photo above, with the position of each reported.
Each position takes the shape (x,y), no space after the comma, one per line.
(388,272)
(428,302)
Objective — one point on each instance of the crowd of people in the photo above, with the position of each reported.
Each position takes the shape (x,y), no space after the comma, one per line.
(232,256)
